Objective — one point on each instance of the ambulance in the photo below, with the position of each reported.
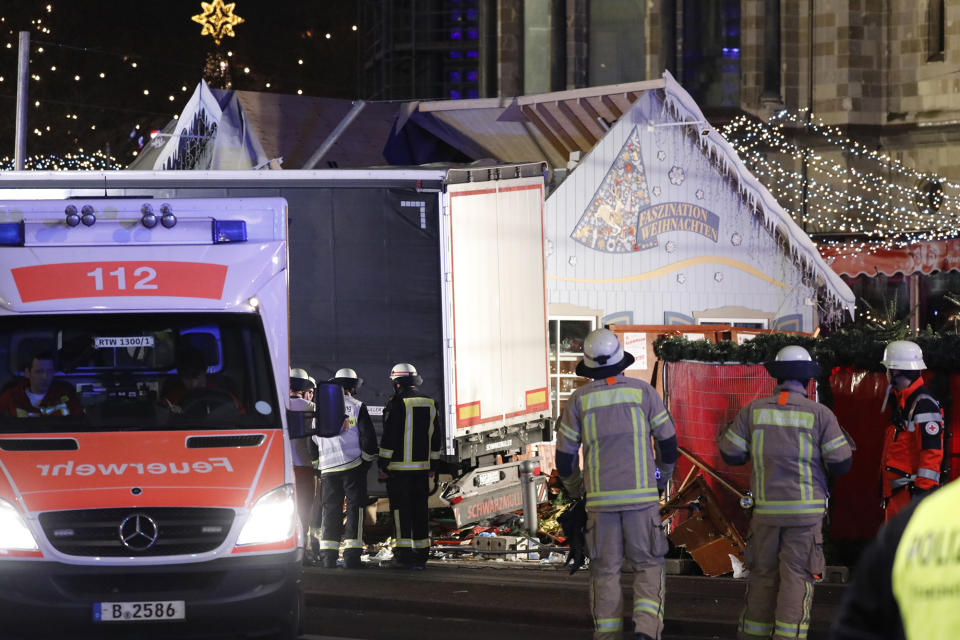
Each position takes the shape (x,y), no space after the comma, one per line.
(146,484)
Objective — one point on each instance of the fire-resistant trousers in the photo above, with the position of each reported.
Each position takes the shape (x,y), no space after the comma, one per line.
(334,488)
(408,492)
(637,536)
(784,563)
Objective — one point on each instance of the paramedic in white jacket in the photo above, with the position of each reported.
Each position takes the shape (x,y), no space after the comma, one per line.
(343,465)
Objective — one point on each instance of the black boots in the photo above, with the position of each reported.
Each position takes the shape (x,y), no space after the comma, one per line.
(328,559)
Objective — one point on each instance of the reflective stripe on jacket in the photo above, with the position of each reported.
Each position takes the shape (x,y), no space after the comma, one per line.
(411,438)
(788,438)
(614,420)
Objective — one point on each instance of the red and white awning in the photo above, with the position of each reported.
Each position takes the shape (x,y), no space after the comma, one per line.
(924,257)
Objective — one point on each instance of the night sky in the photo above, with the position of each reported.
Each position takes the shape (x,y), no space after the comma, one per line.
(150,51)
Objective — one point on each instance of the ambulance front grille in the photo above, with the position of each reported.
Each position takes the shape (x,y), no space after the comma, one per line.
(149,531)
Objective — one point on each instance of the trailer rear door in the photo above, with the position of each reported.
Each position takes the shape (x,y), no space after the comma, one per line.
(496,305)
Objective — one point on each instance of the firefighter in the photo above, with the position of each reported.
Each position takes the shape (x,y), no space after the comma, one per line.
(343,465)
(38,394)
(913,441)
(305,482)
(614,418)
(790,441)
(905,585)
(409,453)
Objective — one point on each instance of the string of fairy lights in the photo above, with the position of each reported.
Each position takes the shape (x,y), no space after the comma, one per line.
(64,117)
(851,189)
(96,161)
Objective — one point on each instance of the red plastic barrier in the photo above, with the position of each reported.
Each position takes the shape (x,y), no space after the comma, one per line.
(704,398)
(857,398)
(953,420)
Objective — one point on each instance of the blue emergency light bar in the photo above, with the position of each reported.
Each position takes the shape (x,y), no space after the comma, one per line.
(229,231)
(12,234)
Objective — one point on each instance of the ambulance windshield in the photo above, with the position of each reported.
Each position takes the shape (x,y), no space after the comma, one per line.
(119,371)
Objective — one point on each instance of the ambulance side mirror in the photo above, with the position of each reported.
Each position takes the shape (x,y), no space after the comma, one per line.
(328,417)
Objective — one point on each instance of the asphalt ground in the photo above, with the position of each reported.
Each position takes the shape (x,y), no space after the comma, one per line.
(537,600)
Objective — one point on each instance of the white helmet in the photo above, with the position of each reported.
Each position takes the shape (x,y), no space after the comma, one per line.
(903,355)
(300,380)
(603,355)
(405,373)
(793,353)
(347,378)
(793,362)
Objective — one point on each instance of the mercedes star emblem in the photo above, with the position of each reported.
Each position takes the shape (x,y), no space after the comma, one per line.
(138,532)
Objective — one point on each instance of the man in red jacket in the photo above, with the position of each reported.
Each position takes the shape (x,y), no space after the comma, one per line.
(38,394)
(913,442)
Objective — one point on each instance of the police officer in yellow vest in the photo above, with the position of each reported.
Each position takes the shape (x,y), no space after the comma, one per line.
(616,419)
(907,582)
(409,453)
(792,442)
(343,463)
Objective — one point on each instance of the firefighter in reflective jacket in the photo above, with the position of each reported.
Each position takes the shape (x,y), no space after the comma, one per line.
(792,442)
(913,441)
(409,453)
(343,464)
(905,585)
(616,419)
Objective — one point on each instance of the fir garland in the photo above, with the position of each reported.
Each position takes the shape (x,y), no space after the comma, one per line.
(859,347)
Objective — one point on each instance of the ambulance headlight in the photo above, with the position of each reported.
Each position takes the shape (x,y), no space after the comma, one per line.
(272,519)
(14,533)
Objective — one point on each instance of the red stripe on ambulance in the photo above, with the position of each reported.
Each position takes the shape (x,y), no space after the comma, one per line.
(120,279)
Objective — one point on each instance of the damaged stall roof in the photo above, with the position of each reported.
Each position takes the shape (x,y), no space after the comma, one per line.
(658,193)
(237,130)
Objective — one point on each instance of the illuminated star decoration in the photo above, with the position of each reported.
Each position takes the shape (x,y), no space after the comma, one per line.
(217,19)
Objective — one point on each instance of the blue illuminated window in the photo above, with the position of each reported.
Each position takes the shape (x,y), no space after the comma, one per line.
(454,94)
(472,76)
(455,76)
(472,34)
(472,93)
(472,54)
(456,54)
(456,34)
